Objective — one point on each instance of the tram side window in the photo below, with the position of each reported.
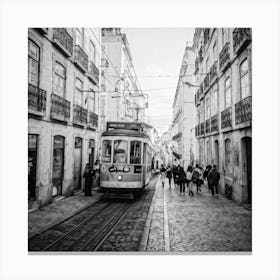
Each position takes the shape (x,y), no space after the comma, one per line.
(106,151)
(135,152)
(120,151)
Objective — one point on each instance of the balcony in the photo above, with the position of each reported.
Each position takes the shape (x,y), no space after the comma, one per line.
(213,72)
(241,38)
(92,120)
(202,129)
(80,116)
(208,129)
(177,136)
(243,110)
(81,59)
(206,82)
(36,100)
(214,123)
(93,72)
(226,117)
(60,108)
(224,56)
(63,40)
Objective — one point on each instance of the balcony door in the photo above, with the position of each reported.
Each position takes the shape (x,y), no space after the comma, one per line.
(77,163)
(58,165)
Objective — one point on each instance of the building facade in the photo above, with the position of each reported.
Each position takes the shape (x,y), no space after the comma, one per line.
(123,99)
(223,99)
(63,105)
(183,111)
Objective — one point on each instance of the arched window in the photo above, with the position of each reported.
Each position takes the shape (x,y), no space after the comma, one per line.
(33,63)
(59,79)
(244,79)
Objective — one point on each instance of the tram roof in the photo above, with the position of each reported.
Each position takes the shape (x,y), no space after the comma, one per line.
(125,132)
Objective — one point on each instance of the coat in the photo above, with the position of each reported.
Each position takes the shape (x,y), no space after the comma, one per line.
(213,177)
(182,175)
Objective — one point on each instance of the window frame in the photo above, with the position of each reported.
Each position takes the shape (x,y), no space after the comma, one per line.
(226,90)
(82,33)
(141,152)
(113,152)
(91,96)
(79,90)
(246,74)
(55,73)
(94,51)
(38,62)
(214,93)
(102,151)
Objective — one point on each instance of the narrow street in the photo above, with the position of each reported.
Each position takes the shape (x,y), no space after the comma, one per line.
(159,220)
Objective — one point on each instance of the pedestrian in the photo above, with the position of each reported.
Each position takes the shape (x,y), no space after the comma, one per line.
(175,175)
(182,179)
(169,175)
(205,175)
(96,173)
(88,175)
(213,180)
(197,178)
(189,179)
(162,175)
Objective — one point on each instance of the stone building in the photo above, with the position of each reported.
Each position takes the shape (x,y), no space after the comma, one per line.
(223,98)
(183,111)
(122,97)
(63,97)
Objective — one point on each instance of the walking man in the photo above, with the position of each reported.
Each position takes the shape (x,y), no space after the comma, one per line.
(169,175)
(213,180)
(182,179)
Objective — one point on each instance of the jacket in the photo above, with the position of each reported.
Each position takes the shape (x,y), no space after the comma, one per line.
(213,177)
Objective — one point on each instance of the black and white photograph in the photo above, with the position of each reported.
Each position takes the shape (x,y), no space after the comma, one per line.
(155,160)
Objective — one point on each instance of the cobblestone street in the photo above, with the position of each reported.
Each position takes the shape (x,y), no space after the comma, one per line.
(201,223)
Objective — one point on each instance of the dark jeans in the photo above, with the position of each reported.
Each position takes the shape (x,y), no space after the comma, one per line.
(214,189)
(182,187)
(169,181)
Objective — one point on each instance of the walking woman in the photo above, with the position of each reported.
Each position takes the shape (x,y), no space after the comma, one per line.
(169,175)
(162,175)
(182,179)
(189,180)
(88,175)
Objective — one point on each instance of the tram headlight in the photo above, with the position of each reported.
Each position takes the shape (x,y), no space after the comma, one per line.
(119,177)
(126,169)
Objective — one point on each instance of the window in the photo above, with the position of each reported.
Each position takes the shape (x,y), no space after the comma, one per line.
(33,63)
(80,37)
(207,108)
(214,106)
(244,79)
(214,50)
(106,151)
(92,52)
(59,79)
(223,36)
(120,151)
(228,156)
(135,152)
(227,93)
(79,92)
(91,101)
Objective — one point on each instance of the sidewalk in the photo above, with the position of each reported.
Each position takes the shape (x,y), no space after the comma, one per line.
(43,218)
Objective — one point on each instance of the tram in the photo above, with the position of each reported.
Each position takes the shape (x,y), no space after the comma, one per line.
(126,160)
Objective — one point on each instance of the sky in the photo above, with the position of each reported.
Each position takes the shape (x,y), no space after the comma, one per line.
(158,51)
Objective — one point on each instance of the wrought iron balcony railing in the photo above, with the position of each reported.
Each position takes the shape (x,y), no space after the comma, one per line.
(224,56)
(208,129)
(80,115)
(92,120)
(213,72)
(60,108)
(63,40)
(202,132)
(214,123)
(226,118)
(36,100)
(241,37)
(81,58)
(93,72)
(243,110)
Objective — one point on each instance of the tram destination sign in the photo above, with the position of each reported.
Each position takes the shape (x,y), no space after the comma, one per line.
(124,125)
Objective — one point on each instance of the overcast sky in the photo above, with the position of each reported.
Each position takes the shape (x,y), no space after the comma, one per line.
(158,51)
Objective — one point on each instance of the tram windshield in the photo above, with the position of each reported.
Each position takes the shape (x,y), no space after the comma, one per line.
(120,151)
(106,151)
(135,152)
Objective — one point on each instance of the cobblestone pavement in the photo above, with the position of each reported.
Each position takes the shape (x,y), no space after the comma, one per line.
(201,223)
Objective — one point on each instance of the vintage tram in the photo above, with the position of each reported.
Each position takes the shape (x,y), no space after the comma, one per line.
(126,157)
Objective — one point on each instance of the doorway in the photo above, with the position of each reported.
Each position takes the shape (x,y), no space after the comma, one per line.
(58,165)
(91,148)
(246,146)
(77,163)
(216,152)
(32,163)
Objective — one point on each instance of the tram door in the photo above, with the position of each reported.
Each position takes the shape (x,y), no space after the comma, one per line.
(144,163)
(32,162)
(77,163)
(58,165)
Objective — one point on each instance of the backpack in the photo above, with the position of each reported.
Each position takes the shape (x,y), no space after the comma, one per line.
(195,175)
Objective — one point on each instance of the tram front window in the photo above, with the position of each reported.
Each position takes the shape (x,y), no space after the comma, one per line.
(120,151)
(106,151)
(135,152)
